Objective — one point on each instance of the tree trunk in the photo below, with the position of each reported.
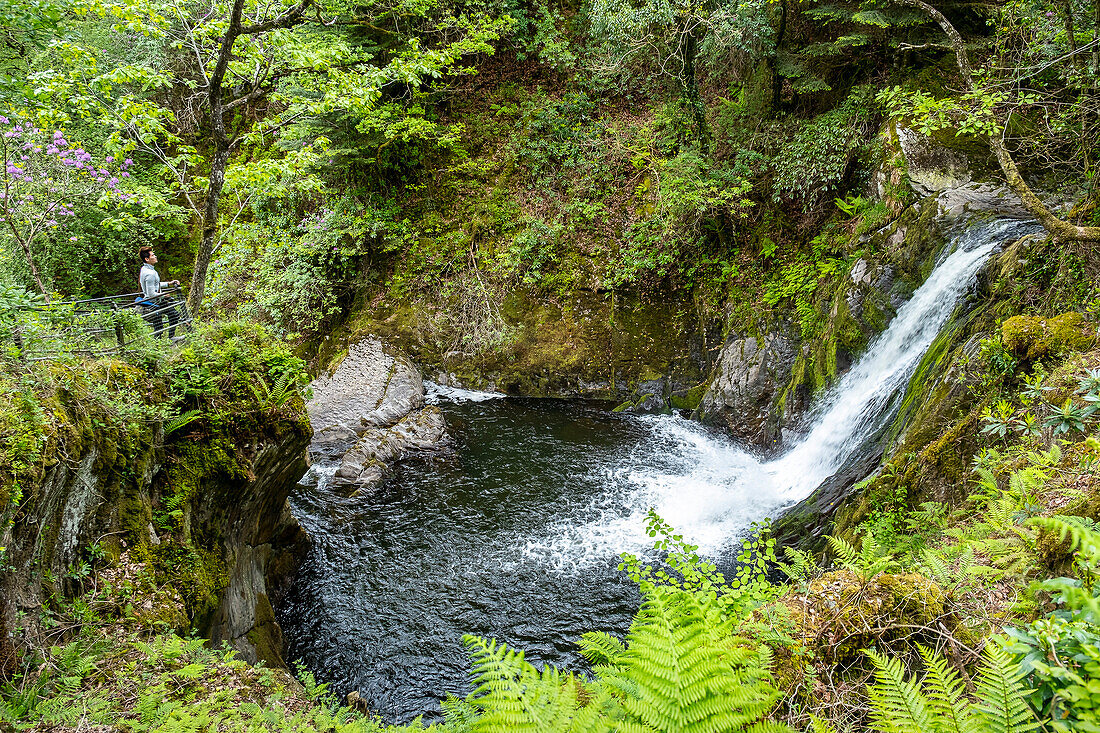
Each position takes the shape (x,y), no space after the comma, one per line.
(222,147)
(690,87)
(1071,34)
(1058,228)
(777,80)
(209,224)
(29,254)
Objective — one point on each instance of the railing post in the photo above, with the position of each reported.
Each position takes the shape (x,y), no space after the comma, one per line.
(118,330)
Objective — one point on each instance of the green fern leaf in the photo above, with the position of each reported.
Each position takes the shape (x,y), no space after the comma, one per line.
(685,678)
(1001,693)
(946,696)
(515,696)
(601,648)
(898,706)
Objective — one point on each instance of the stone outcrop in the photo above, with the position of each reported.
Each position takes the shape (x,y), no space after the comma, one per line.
(931,166)
(225,541)
(373,387)
(260,542)
(749,380)
(365,464)
(369,412)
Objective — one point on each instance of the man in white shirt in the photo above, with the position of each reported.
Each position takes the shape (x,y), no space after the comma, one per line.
(151,301)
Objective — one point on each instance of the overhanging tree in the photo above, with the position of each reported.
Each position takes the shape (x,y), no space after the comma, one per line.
(979,108)
(236,73)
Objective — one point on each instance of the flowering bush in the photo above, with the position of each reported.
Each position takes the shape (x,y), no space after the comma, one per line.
(45,179)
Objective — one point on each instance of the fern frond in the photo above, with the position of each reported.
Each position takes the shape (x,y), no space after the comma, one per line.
(987,485)
(802,565)
(181,421)
(846,554)
(898,706)
(601,648)
(515,696)
(935,566)
(1083,533)
(459,715)
(946,696)
(684,676)
(1001,693)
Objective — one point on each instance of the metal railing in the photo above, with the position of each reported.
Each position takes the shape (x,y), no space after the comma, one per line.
(97,326)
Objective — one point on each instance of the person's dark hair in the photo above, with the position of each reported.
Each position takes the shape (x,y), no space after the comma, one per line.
(144,253)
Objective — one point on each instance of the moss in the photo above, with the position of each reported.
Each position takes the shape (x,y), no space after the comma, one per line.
(194,462)
(690,400)
(265,635)
(841,614)
(578,342)
(1030,338)
(200,575)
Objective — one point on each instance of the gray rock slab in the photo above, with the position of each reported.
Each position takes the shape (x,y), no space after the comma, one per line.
(365,464)
(373,387)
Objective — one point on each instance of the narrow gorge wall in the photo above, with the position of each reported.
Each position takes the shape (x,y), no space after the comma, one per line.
(204,511)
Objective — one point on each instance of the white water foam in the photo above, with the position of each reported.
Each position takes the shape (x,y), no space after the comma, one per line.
(711,489)
(436,393)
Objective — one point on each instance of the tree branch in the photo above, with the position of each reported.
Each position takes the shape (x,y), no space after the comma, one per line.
(1059,228)
(291,17)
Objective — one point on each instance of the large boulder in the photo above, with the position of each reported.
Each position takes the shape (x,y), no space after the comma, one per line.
(369,412)
(749,379)
(373,387)
(365,464)
(931,166)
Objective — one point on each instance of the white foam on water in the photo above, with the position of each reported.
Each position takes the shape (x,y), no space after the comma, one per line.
(711,490)
(436,393)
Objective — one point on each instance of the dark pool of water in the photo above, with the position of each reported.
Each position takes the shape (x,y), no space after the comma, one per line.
(487,537)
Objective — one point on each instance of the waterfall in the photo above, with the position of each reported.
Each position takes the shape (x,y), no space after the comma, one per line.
(514,533)
(860,404)
(712,489)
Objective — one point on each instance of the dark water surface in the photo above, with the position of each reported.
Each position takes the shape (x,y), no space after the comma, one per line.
(511,533)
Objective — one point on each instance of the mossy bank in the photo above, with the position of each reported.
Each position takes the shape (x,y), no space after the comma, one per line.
(181,461)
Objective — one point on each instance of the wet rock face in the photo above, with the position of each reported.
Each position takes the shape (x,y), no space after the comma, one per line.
(932,167)
(749,379)
(259,540)
(365,464)
(374,387)
(369,413)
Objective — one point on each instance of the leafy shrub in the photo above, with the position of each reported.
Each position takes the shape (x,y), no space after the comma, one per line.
(230,370)
(295,272)
(812,164)
(1060,652)
(562,133)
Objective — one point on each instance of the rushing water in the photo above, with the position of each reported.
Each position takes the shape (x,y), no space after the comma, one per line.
(514,531)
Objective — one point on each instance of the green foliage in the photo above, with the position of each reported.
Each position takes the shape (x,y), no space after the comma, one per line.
(680,668)
(561,133)
(295,274)
(1060,652)
(866,561)
(812,164)
(684,569)
(689,195)
(939,702)
(232,369)
(162,684)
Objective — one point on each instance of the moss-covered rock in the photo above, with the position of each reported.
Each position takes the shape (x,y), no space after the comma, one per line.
(842,614)
(1030,338)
